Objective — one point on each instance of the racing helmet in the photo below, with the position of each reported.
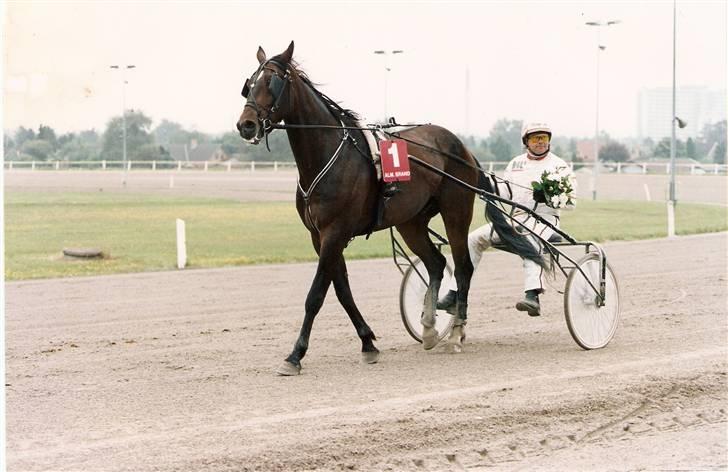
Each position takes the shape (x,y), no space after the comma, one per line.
(534,127)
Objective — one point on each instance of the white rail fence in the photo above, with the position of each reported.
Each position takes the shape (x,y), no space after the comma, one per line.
(275,166)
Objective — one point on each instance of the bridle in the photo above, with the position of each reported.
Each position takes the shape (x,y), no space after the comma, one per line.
(277,88)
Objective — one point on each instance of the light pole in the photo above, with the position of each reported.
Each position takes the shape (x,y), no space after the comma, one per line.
(123,113)
(681,124)
(386,74)
(600,48)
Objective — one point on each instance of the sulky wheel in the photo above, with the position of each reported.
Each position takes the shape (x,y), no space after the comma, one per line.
(412,296)
(592,326)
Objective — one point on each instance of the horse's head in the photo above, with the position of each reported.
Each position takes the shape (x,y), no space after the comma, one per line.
(266,91)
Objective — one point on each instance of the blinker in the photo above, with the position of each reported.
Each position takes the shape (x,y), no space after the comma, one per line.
(246,89)
(276,85)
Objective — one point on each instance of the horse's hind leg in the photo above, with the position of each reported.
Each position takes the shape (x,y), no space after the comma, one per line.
(457,220)
(370,354)
(418,240)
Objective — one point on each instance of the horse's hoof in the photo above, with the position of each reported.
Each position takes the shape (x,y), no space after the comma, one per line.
(453,347)
(455,341)
(288,369)
(371,357)
(430,338)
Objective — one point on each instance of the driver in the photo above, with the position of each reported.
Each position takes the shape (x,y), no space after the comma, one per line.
(520,172)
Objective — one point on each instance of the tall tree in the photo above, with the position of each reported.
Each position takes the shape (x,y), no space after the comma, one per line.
(510,132)
(169,132)
(690,149)
(22,135)
(713,141)
(84,146)
(501,148)
(37,149)
(137,137)
(614,151)
(662,148)
(46,133)
(231,143)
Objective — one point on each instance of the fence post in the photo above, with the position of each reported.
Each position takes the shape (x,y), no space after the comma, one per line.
(154,165)
(715,169)
(252,166)
(179,166)
(490,167)
(619,167)
(644,168)
(58,165)
(128,166)
(230,166)
(275,166)
(32,165)
(11,165)
(103,164)
(205,166)
(181,245)
(667,169)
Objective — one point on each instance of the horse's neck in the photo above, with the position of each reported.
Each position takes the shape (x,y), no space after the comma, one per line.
(312,148)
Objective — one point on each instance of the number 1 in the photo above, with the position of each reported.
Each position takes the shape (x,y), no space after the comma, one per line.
(394,152)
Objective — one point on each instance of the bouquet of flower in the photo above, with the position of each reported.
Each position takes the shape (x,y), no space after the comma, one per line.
(555,189)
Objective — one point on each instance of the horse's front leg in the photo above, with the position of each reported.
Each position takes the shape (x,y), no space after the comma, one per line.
(328,255)
(370,354)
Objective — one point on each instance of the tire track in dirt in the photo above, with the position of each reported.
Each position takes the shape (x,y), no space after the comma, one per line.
(182,380)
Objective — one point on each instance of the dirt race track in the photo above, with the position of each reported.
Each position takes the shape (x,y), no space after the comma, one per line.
(175,371)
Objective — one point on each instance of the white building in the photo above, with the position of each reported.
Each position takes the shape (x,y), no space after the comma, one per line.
(697,106)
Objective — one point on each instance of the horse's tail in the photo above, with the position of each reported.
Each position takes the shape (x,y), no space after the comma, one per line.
(513,241)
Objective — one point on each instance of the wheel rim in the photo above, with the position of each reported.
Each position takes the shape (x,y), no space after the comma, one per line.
(412,295)
(591,326)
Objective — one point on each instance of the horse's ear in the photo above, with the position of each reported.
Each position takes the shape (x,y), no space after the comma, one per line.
(288,54)
(260,55)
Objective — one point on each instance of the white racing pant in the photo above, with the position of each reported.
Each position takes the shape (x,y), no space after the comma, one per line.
(484,237)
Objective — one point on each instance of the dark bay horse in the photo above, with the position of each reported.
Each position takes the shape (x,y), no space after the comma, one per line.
(338,195)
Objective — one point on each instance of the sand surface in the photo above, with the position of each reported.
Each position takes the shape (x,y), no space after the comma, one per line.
(174,371)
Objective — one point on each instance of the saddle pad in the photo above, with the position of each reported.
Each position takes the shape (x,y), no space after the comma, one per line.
(373,138)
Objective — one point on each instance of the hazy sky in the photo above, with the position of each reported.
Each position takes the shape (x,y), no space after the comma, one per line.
(524,60)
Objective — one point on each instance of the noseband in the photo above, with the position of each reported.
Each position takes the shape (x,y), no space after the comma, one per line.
(277,88)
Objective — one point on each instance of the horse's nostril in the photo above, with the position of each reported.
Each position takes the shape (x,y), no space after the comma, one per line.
(249,125)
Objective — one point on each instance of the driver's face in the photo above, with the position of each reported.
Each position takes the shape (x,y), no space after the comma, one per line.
(538,143)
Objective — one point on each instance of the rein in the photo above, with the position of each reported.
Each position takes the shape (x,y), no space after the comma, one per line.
(383,129)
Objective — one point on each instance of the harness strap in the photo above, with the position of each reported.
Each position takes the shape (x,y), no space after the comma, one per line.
(307,194)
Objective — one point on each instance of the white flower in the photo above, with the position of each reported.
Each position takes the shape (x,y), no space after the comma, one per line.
(555,201)
(563,198)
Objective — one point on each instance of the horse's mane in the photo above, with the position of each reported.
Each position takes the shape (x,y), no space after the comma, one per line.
(336,109)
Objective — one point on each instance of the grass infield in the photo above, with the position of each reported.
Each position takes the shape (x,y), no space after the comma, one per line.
(137,232)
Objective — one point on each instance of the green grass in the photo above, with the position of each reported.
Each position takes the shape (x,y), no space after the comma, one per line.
(137,232)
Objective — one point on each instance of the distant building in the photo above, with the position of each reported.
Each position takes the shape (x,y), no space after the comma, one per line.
(697,106)
(195,152)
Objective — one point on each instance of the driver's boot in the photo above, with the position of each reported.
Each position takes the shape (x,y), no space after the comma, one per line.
(530,304)
(448,302)
(390,189)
